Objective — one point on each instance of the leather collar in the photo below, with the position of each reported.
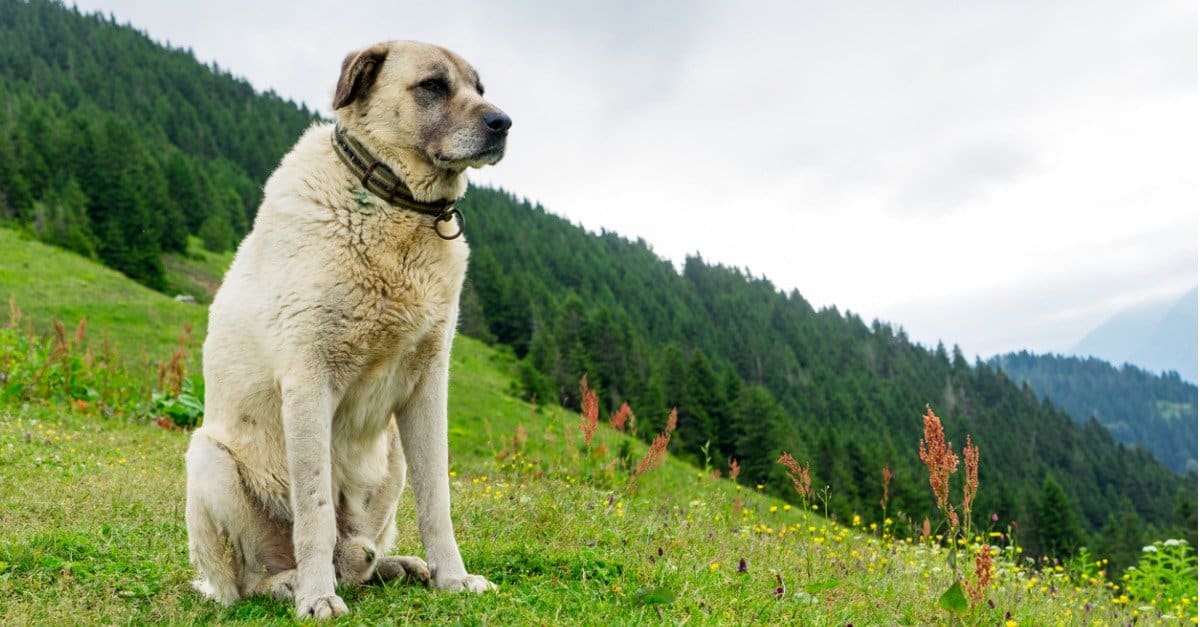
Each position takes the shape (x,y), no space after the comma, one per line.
(380,180)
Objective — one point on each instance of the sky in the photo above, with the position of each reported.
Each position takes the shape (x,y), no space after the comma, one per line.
(998,175)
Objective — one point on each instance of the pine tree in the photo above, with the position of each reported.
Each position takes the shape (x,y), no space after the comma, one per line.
(1058,529)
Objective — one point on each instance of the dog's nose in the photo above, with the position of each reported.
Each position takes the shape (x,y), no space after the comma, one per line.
(497,121)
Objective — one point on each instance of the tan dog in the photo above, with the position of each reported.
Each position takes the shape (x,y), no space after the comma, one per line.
(329,343)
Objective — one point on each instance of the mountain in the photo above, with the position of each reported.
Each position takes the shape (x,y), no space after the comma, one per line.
(752,370)
(118,148)
(1157,412)
(1160,337)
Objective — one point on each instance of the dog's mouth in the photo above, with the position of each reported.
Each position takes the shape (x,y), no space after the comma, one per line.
(490,155)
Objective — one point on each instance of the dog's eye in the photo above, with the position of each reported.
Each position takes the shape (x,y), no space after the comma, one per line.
(435,85)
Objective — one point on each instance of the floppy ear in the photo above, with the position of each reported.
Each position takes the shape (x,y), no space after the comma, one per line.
(359,70)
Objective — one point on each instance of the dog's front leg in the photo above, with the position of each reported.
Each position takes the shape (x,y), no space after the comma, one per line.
(423,433)
(308,406)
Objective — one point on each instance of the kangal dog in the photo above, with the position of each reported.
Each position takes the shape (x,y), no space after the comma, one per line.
(329,344)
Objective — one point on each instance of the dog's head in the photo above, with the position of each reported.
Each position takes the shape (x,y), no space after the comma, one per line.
(421,99)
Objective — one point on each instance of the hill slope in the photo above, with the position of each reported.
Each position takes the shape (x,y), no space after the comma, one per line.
(1157,412)
(94,530)
(48,283)
(1159,338)
(754,371)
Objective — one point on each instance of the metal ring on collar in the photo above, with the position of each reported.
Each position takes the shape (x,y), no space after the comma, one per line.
(449,214)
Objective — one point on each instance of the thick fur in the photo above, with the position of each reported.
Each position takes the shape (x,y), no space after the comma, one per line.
(328,348)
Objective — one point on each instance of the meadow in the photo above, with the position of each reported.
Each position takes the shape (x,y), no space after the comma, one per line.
(576,521)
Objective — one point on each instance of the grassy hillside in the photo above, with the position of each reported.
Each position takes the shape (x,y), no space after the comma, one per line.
(196,272)
(94,532)
(92,529)
(48,283)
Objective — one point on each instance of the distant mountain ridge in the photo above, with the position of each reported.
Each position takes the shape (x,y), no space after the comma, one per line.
(1158,338)
(1157,412)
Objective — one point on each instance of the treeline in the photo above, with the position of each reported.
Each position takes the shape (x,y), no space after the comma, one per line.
(1139,408)
(118,148)
(755,371)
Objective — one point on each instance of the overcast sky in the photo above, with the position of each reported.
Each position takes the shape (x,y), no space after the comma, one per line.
(1000,175)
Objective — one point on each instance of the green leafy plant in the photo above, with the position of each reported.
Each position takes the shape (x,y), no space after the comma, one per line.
(185,408)
(1165,575)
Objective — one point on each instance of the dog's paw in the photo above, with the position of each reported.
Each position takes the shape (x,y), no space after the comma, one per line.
(282,587)
(407,566)
(321,608)
(468,583)
(354,560)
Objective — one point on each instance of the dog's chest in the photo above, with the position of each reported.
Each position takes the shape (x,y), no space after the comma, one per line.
(399,305)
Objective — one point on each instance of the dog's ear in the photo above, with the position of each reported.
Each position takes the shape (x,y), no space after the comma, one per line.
(359,70)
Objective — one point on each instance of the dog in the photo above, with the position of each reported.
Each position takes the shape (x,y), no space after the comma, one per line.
(327,355)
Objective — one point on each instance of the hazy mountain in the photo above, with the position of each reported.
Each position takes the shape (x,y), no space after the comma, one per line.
(1157,412)
(1158,337)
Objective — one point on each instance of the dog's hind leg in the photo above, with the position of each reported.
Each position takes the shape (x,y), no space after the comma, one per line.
(235,547)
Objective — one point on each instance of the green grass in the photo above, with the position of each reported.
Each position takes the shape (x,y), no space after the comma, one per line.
(47,283)
(92,527)
(197,273)
(93,531)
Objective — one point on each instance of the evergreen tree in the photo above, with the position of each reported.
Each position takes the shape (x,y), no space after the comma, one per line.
(1058,529)
(758,421)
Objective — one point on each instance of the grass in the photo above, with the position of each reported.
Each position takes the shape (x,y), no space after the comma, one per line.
(94,533)
(49,283)
(92,530)
(198,272)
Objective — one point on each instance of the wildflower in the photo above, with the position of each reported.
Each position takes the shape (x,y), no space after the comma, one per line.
(798,474)
(938,458)
(589,410)
(658,449)
(620,417)
(779,590)
(734,468)
(971,485)
(887,480)
(1150,549)
(856,521)
(714,566)
(983,573)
